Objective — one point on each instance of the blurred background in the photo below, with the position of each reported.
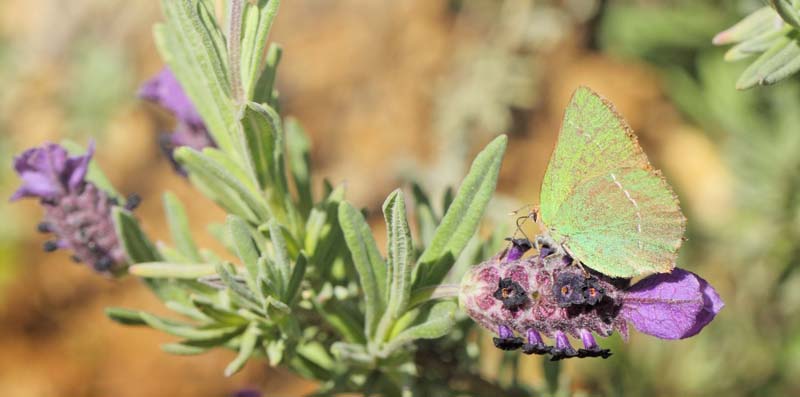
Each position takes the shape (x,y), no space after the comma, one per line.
(394,91)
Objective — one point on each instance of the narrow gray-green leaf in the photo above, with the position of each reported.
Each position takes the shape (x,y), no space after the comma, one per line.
(193,46)
(257,20)
(366,258)
(197,162)
(221,315)
(298,149)
(188,331)
(181,349)
(241,290)
(787,9)
(298,272)
(246,248)
(758,22)
(777,63)
(246,348)
(261,136)
(125,316)
(179,228)
(265,87)
(400,253)
(275,349)
(280,252)
(437,323)
(462,218)
(755,45)
(138,248)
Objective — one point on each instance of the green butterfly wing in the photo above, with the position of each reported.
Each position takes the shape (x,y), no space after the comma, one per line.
(602,200)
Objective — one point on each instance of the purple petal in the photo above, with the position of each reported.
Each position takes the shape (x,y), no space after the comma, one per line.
(47,172)
(165,90)
(78,166)
(672,305)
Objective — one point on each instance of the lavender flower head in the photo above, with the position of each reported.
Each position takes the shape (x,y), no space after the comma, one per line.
(165,90)
(77,213)
(547,295)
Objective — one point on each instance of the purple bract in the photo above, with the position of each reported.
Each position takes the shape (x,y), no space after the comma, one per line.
(48,172)
(190,130)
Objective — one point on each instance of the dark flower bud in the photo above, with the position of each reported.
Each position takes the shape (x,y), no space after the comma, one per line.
(593,292)
(568,289)
(511,294)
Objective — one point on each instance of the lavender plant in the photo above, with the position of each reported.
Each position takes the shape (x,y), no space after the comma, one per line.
(309,289)
(771,32)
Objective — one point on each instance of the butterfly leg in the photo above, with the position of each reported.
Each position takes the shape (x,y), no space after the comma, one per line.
(535,343)
(506,340)
(563,348)
(591,349)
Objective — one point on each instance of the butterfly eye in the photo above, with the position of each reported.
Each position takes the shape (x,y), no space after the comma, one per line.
(511,294)
(568,289)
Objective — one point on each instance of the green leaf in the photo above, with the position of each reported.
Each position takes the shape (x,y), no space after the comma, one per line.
(755,45)
(352,353)
(777,63)
(171,270)
(344,321)
(246,349)
(298,147)
(298,272)
(260,126)
(462,218)
(755,24)
(211,171)
(265,88)
(219,314)
(280,252)
(275,349)
(438,322)
(191,332)
(193,46)
(400,253)
(426,218)
(125,316)
(181,349)
(138,248)
(367,260)
(257,21)
(246,248)
(222,195)
(179,228)
(246,296)
(787,9)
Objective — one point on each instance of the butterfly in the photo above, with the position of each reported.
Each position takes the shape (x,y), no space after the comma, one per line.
(601,201)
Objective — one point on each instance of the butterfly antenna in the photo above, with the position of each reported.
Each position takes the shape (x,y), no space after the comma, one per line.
(520,221)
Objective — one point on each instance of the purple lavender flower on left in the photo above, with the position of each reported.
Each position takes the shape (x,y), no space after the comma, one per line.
(77,212)
(165,90)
